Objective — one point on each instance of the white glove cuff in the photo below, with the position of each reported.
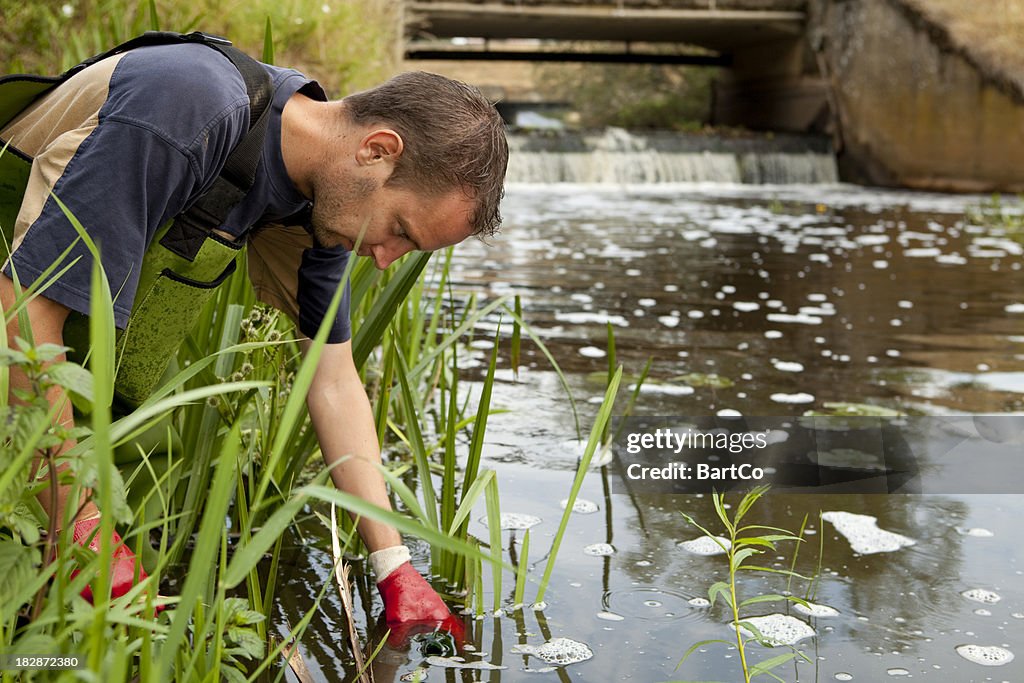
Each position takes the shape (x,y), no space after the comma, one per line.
(388,560)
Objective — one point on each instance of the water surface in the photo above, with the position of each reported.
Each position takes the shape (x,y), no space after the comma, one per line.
(798,296)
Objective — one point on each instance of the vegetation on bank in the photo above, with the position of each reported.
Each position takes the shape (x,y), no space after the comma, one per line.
(347,45)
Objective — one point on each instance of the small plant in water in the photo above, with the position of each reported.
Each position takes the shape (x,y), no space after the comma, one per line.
(995,213)
(740,544)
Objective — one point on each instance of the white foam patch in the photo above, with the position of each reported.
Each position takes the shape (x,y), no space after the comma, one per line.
(705,546)
(583,318)
(668,320)
(817,611)
(986,655)
(978,532)
(800,397)
(799,319)
(780,629)
(986,597)
(788,366)
(560,651)
(1014,308)
(610,616)
(667,389)
(592,352)
(746,306)
(699,602)
(460,663)
(599,550)
(516,520)
(581,506)
(863,533)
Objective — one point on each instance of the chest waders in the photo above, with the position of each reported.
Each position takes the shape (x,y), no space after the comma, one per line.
(186,260)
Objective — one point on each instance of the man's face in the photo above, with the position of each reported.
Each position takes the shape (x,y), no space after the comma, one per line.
(396,220)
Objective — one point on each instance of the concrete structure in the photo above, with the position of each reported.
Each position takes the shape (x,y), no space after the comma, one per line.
(911,107)
(905,103)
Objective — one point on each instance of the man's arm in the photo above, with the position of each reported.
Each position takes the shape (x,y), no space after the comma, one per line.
(344,425)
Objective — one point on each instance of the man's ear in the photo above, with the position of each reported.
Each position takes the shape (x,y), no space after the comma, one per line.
(381,144)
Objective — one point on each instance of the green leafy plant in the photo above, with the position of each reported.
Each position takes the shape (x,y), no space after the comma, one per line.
(996,213)
(743,542)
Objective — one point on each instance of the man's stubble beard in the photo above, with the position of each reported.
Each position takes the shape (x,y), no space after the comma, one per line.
(332,199)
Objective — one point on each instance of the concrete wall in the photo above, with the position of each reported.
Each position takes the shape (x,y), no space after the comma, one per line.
(911,110)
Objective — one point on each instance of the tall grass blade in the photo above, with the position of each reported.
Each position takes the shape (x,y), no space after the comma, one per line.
(341,571)
(521,569)
(494,529)
(419,452)
(204,554)
(355,505)
(268,43)
(517,334)
(371,331)
(603,415)
(554,364)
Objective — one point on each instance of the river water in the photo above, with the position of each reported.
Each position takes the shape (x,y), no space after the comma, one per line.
(798,295)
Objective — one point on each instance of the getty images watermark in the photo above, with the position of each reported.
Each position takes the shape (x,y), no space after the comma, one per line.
(956,454)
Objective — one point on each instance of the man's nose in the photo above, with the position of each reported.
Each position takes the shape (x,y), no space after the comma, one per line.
(386,254)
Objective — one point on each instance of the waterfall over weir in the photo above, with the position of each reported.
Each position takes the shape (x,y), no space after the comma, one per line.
(616,156)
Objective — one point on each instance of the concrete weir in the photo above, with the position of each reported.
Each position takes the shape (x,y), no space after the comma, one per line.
(912,106)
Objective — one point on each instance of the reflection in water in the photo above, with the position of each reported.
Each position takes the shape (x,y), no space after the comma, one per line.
(827,293)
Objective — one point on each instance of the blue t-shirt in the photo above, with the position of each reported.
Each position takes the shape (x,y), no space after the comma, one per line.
(159,138)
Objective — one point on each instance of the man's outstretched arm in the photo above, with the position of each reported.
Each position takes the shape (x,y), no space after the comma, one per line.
(344,424)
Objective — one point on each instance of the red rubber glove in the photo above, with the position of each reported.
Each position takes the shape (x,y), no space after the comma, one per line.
(411,606)
(123,561)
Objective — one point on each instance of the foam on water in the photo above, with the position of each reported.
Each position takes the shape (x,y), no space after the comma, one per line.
(581,506)
(585,317)
(705,546)
(863,533)
(592,352)
(981,595)
(599,550)
(799,397)
(788,366)
(516,520)
(610,616)
(460,663)
(978,532)
(985,655)
(667,389)
(813,610)
(559,651)
(699,602)
(780,629)
(799,318)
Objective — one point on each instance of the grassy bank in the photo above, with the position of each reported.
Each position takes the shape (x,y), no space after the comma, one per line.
(346,45)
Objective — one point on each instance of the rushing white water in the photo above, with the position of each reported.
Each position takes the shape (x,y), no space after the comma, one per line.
(616,156)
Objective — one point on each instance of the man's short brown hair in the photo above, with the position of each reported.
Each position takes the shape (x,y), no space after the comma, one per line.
(454,138)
